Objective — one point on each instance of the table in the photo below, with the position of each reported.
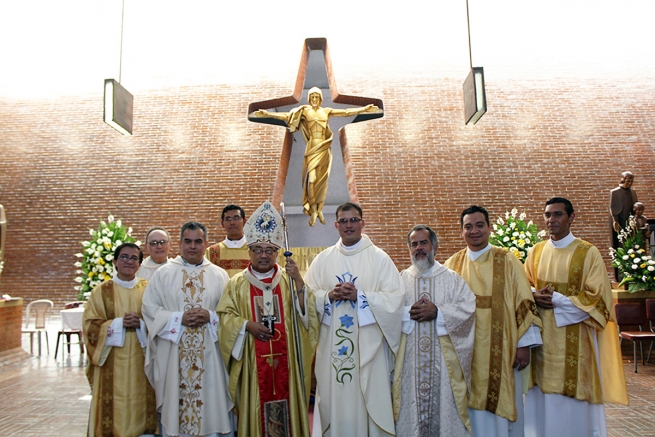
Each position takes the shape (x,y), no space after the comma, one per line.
(71,323)
(71,320)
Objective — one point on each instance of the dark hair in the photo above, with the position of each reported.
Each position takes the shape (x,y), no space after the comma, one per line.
(232,208)
(347,207)
(568,206)
(433,235)
(472,210)
(156,228)
(193,226)
(117,252)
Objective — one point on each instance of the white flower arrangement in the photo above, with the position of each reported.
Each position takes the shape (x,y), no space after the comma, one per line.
(95,265)
(637,267)
(515,234)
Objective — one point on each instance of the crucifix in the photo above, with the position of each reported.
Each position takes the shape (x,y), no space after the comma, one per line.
(311,124)
(270,358)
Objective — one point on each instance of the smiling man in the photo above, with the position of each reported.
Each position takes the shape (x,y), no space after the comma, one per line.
(433,376)
(258,335)
(575,302)
(360,300)
(115,337)
(504,331)
(158,245)
(231,254)
(183,361)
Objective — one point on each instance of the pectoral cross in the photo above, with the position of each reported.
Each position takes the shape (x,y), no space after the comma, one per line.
(270,360)
(269,321)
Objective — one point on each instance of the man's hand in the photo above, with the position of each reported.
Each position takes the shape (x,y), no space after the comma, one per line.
(616,226)
(522,358)
(195,317)
(544,298)
(343,291)
(423,311)
(259,331)
(292,270)
(131,320)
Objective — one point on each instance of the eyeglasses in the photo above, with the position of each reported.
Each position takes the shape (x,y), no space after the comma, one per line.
(157,243)
(229,219)
(126,258)
(556,214)
(268,252)
(353,220)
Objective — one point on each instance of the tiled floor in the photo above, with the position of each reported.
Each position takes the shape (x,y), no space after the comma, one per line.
(45,397)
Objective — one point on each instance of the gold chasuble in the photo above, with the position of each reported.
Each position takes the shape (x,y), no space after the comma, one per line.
(231,260)
(505,310)
(265,381)
(566,364)
(123,402)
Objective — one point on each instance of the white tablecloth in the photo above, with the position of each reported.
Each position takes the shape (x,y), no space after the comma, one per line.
(72,319)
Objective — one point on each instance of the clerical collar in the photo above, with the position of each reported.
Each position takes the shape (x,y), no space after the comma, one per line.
(261,276)
(564,242)
(353,247)
(189,264)
(156,263)
(235,244)
(473,255)
(125,284)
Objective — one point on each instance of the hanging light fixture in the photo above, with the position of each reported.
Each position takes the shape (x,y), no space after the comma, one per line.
(475,98)
(118,107)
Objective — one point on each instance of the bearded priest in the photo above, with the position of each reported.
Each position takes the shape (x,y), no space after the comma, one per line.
(258,337)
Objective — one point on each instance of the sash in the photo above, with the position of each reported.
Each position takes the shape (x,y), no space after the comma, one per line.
(271,356)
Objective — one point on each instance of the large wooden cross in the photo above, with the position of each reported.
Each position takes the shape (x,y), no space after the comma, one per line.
(315,71)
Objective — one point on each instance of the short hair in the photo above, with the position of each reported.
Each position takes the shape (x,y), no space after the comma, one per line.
(231,207)
(433,235)
(472,210)
(638,204)
(157,228)
(627,173)
(347,207)
(117,251)
(568,206)
(193,226)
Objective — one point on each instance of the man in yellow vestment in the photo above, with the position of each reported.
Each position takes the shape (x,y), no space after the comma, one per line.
(360,301)
(123,402)
(259,335)
(433,369)
(580,338)
(231,254)
(504,331)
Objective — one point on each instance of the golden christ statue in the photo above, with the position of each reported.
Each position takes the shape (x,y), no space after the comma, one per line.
(312,121)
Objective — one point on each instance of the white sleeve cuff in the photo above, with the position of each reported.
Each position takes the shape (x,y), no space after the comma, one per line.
(531,338)
(115,333)
(173,329)
(364,314)
(142,333)
(565,312)
(213,325)
(408,323)
(237,350)
(442,329)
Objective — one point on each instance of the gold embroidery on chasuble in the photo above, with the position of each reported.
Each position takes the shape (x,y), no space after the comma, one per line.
(425,373)
(107,380)
(496,335)
(191,351)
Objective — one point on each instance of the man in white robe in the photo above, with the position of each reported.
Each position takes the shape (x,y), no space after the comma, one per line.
(360,300)
(579,365)
(183,361)
(433,369)
(158,246)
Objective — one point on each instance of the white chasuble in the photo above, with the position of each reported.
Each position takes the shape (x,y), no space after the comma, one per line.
(432,394)
(354,357)
(184,364)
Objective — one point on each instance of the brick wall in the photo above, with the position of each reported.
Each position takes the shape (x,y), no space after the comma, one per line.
(11,318)
(62,169)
